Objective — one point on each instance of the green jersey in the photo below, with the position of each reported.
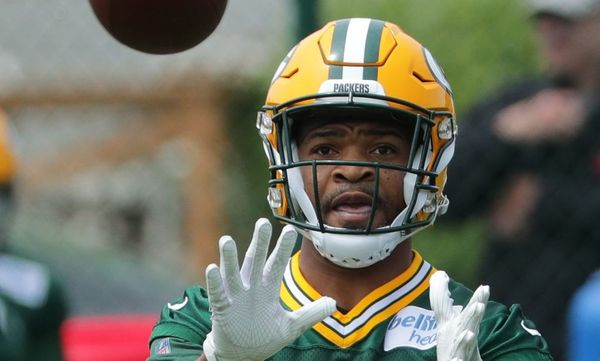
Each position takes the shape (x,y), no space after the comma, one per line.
(32,309)
(393,322)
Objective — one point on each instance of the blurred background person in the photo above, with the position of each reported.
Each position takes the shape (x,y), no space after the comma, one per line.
(32,304)
(584,321)
(532,157)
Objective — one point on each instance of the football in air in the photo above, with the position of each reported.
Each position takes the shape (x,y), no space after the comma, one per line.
(159,26)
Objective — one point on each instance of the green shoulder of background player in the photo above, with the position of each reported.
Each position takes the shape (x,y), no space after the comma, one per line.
(32,303)
(32,309)
(395,322)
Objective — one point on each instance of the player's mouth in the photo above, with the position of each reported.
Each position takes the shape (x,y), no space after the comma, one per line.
(350,210)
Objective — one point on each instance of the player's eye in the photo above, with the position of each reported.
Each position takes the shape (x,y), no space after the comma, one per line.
(324,150)
(384,149)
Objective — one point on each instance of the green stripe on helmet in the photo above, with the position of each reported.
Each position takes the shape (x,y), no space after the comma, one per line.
(338,44)
(372,49)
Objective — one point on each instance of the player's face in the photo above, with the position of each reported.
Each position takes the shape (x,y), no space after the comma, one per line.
(346,191)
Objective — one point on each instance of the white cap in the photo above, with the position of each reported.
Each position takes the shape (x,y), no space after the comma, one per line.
(570,9)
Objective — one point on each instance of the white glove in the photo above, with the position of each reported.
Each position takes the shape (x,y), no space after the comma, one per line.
(248,321)
(456,330)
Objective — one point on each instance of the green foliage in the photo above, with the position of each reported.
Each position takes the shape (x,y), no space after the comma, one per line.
(455,248)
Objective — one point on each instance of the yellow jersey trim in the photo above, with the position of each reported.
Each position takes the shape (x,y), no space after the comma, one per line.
(380,305)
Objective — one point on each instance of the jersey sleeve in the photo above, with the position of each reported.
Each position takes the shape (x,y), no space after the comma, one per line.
(505,333)
(36,302)
(508,335)
(182,328)
(173,349)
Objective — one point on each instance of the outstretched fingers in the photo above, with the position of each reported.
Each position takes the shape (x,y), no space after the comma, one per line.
(254,261)
(439,297)
(464,345)
(471,317)
(481,295)
(310,314)
(217,297)
(230,269)
(280,256)
(470,346)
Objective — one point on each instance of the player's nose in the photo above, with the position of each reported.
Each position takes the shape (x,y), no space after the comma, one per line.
(354,173)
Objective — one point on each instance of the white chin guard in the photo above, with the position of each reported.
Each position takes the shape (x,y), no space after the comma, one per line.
(353,250)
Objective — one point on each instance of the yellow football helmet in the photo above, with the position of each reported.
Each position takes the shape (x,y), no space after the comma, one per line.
(7,161)
(359,65)
(7,169)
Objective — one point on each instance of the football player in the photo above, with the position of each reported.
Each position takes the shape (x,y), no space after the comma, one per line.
(358,128)
(32,302)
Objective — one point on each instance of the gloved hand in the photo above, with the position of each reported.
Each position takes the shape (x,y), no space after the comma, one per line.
(456,330)
(248,321)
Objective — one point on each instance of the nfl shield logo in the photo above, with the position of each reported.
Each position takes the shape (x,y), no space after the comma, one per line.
(163,347)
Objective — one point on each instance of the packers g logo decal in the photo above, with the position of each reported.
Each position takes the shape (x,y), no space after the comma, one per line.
(437,71)
(283,64)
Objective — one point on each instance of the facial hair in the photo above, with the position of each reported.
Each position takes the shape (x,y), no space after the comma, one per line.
(365,187)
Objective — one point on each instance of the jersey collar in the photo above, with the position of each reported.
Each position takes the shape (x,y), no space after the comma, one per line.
(379,306)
